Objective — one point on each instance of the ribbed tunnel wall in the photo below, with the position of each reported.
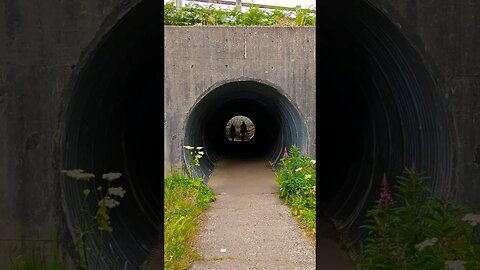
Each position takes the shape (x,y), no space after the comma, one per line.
(379,112)
(113,125)
(278,124)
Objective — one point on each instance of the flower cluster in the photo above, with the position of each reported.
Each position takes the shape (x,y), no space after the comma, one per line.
(385,194)
(196,153)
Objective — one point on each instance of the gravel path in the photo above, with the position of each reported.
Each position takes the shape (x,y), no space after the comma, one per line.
(248,226)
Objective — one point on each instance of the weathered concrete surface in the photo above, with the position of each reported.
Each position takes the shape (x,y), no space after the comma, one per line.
(198,59)
(249,220)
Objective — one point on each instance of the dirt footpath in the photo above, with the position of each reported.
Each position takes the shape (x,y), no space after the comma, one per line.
(248,226)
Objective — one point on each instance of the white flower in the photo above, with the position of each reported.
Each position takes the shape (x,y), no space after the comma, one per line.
(308,176)
(99,188)
(299,169)
(188,147)
(109,202)
(455,265)
(313,161)
(474,219)
(86,192)
(198,156)
(117,191)
(78,174)
(199,148)
(426,243)
(201,152)
(111,176)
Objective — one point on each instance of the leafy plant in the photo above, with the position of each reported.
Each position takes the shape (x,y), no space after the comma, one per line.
(422,232)
(195,14)
(185,198)
(297,179)
(97,224)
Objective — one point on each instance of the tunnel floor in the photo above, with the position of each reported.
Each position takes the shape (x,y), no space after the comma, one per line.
(249,220)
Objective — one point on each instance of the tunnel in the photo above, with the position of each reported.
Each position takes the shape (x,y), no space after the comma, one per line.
(378,112)
(113,124)
(278,123)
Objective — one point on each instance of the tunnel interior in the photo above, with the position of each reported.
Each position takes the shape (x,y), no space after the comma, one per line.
(278,123)
(378,112)
(112,124)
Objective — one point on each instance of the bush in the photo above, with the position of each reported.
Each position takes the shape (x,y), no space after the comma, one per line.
(297,179)
(185,199)
(194,14)
(422,232)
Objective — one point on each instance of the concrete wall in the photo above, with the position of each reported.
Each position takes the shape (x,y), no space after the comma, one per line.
(198,59)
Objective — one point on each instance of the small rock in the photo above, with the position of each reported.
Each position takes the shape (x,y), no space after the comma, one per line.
(223,250)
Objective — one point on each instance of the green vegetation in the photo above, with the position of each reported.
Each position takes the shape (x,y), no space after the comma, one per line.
(195,14)
(297,177)
(185,198)
(36,259)
(98,224)
(422,232)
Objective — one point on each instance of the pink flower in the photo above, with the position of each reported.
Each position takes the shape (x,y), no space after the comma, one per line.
(385,194)
(285,153)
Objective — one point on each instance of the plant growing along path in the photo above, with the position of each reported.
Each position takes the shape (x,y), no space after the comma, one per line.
(248,226)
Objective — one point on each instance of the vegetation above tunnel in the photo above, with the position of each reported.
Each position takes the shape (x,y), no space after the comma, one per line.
(195,14)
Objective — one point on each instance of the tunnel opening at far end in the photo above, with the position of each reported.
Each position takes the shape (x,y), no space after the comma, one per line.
(278,124)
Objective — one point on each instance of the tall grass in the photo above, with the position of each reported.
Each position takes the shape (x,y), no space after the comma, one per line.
(184,200)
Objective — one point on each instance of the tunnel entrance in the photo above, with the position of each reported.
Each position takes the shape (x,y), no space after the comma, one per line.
(278,123)
(111,125)
(378,112)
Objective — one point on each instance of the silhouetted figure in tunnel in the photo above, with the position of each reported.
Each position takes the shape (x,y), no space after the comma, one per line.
(243,130)
(233,132)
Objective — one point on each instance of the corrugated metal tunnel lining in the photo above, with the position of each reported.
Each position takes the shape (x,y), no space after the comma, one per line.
(112,125)
(277,123)
(378,111)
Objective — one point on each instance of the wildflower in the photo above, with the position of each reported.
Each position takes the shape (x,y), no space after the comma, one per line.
(201,153)
(198,156)
(474,219)
(455,265)
(78,174)
(313,161)
(117,191)
(299,169)
(86,192)
(99,188)
(426,243)
(111,176)
(308,176)
(385,195)
(285,153)
(199,148)
(188,147)
(109,202)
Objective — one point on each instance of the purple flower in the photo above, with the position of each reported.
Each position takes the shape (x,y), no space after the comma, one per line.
(385,194)
(285,153)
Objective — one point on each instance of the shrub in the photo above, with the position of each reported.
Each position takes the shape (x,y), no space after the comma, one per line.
(297,180)
(422,232)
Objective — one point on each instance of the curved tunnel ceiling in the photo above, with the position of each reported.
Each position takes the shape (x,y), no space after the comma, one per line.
(112,126)
(277,123)
(378,112)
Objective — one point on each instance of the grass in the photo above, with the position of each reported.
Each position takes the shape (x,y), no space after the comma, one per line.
(297,179)
(184,200)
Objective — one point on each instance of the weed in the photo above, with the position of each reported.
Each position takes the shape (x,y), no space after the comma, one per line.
(185,198)
(297,179)
(422,232)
